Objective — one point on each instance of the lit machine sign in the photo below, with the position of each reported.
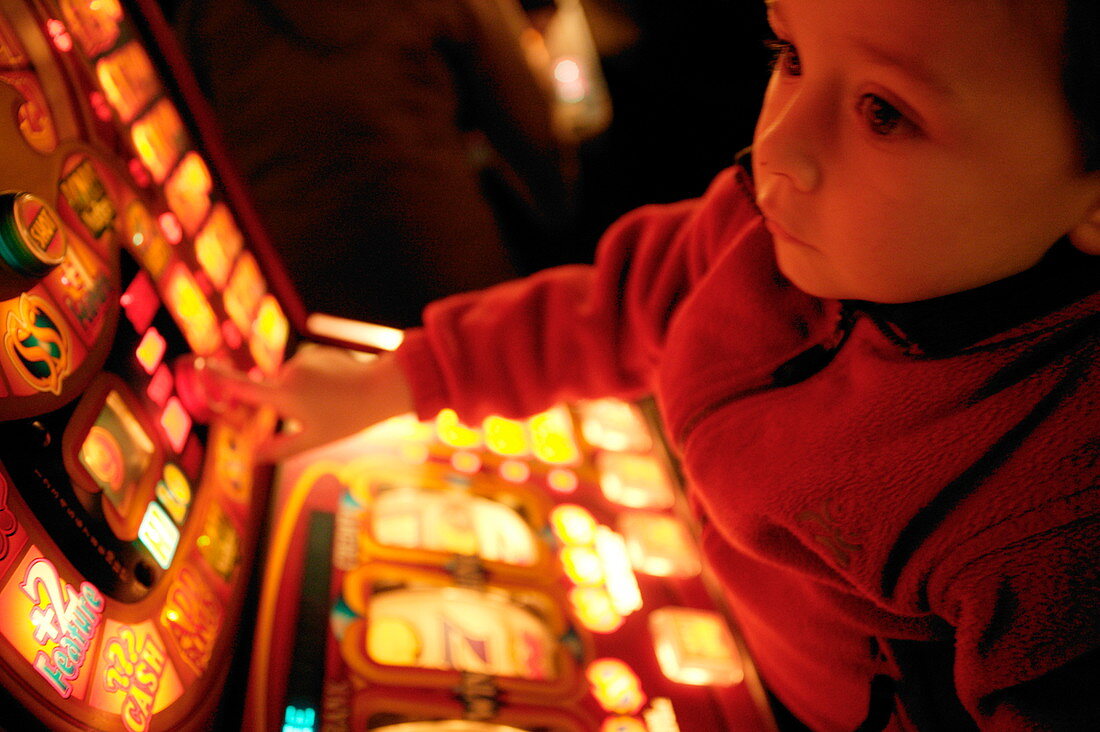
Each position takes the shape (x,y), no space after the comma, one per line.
(61,623)
(134,678)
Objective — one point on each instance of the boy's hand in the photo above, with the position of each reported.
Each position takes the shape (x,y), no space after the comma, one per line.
(322,394)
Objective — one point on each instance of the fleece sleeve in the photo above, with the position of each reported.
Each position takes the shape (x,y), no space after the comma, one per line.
(576,331)
(1027,623)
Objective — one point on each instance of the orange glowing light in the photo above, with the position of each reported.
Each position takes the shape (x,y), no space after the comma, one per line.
(95,23)
(594,609)
(218,244)
(151,350)
(192,312)
(159,139)
(128,80)
(270,332)
(244,292)
(695,647)
(562,480)
(623,724)
(573,525)
(582,565)
(634,480)
(615,686)
(453,433)
(187,191)
(552,437)
(515,471)
(505,437)
(466,462)
(176,423)
(174,492)
(102,456)
(659,545)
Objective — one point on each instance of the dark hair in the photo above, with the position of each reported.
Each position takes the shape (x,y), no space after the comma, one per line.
(1081,72)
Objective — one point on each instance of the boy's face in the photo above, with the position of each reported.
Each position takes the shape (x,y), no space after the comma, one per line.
(912,148)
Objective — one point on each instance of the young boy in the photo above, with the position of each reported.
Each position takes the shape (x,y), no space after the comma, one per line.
(875,350)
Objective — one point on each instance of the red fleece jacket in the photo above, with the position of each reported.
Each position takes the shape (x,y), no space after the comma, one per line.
(924,514)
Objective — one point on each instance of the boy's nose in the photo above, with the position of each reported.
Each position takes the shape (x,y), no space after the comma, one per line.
(784,146)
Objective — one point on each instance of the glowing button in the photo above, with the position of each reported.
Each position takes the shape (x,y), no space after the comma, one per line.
(593,607)
(505,436)
(552,437)
(615,686)
(573,524)
(59,34)
(582,565)
(695,647)
(151,350)
(622,724)
(192,311)
(159,535)
(466,462)
(562,480)
(174,492)
(176,423)
(515,471)
(453,433)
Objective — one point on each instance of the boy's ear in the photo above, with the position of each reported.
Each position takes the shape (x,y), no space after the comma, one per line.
(1086,235)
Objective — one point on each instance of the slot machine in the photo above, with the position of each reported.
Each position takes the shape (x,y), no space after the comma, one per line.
(421,577)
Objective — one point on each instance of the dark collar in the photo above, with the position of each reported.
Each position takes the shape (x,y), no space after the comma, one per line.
(945,325)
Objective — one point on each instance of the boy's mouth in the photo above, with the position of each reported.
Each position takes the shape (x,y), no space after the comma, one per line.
(778,232)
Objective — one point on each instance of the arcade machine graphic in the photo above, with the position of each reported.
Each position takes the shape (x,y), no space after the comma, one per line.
(534,574)
(126,527)
(422,577)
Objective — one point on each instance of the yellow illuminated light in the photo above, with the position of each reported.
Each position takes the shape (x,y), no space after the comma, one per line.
(573,525)
(634,480)
(594,609)
(505,437)
(623,724)
(218,244)
(159,139)
(466,462)
(695,647)
(453,433)
(582,565)
(615,686)
(622,585)
(174,492)
(128,80)
(159,535)
(188,191)
(562,480)
(151,350)
(244,292)
(393,641)
(659,545)
(515,471)
(270,332)
(192,311)
(552,437)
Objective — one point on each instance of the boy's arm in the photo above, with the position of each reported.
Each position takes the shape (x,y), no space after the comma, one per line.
(1027,623)
(575,331)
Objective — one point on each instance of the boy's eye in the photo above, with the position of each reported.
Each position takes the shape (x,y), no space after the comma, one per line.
(882,117)
(785,57)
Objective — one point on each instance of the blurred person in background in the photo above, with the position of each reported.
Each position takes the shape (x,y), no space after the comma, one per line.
(396,151)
